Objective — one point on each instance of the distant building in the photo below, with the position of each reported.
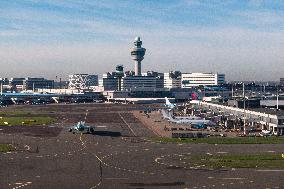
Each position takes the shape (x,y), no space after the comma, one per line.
(249,103)
(172,80)
(4,81)
(16,83)
(205,79)
(30,83)
(281,81)
(120,81)
(159,78)
(109,82)
(119,74)
(82,81)
(134,82)
(271,103)
(61,84)
(148,80)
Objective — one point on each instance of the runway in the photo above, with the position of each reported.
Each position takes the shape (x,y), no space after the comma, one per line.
(119,155)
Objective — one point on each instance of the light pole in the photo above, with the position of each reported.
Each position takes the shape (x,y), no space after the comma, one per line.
(232,91)
(244,98)
(277,98)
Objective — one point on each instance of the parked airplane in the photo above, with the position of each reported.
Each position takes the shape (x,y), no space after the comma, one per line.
(266,133)
(191,121)
(166,115)
(81,127)
(169,105)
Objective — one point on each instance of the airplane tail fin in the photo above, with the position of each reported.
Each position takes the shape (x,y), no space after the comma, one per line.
(194,96)
(167,101)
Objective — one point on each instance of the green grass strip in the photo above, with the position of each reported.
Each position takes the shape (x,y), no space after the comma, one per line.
(237,161)
(25,121)
(223,140)
(6,148)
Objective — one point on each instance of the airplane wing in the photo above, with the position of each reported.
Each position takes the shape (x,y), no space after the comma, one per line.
(101,126)
(69,127)
(95,126)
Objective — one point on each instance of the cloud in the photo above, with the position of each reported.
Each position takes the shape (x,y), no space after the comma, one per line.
(61,37)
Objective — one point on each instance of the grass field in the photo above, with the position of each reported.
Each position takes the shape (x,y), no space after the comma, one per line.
(237,161)
(224,140)
(17,112)
(17,117)
(6,148)
(12,121)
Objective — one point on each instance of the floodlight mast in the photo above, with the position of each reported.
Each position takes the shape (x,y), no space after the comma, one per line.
(244,98)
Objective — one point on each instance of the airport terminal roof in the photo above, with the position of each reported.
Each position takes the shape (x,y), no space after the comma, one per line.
(271,111)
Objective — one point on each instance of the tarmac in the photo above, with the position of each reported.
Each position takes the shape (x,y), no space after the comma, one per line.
(119,155)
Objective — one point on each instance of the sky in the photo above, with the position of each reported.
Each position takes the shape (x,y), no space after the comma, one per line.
(47,38)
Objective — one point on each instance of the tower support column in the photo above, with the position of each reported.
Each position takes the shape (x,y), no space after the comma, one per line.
(137,68)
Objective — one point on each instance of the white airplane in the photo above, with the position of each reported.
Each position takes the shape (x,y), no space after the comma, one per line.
(166,115)
(191,121)
(266,133)
(169,105)
(81,127)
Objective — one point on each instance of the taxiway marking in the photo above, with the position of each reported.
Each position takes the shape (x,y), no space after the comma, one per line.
(237,178)
(270,170)
(116,178)
(127,124)
(222,152)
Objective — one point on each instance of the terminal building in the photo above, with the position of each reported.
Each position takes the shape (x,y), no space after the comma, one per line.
(4,81)
(267,119)
(206,79)
(30,83)
(109,82)
(159,78)
(172,80)
(128,81)
(142,82)
(82,81)
(282,81)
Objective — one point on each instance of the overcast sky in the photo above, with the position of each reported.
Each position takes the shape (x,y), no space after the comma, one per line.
(241,38)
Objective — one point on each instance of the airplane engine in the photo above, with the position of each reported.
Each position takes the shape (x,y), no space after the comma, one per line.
(92,130)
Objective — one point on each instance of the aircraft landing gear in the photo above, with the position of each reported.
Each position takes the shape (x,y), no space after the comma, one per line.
(92,130)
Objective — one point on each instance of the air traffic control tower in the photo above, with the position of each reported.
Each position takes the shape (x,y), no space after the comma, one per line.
(137,54)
